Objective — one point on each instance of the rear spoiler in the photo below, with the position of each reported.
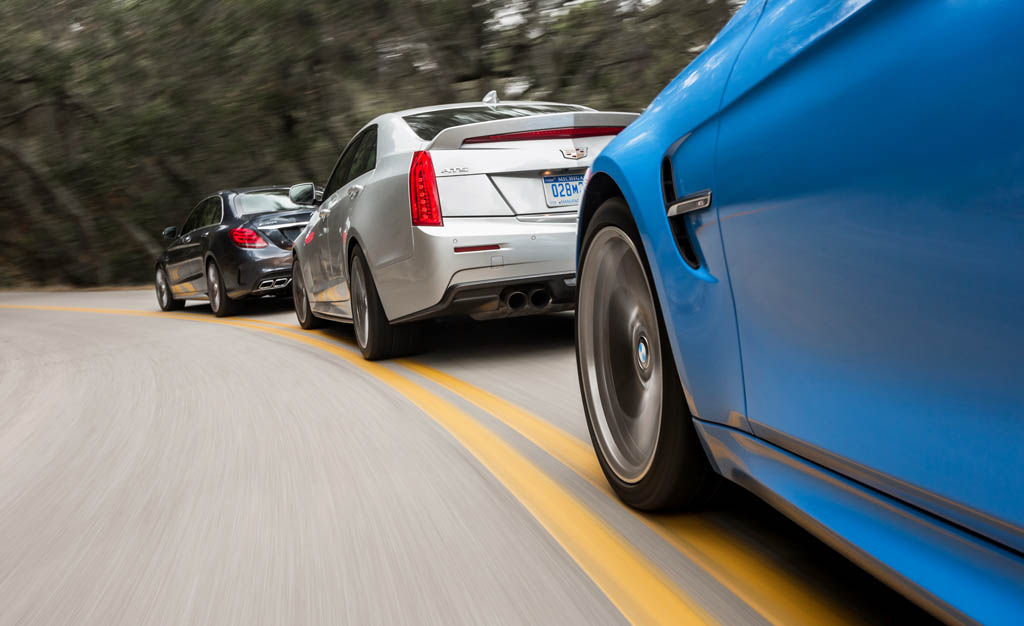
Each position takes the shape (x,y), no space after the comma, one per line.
(452,138)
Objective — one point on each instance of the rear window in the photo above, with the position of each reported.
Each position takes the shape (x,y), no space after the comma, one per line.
(263,202)
(428,125)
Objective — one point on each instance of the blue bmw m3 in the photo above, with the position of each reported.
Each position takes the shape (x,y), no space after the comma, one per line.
(802,270)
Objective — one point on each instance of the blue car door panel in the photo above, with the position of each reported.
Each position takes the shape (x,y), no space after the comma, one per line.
(868,188)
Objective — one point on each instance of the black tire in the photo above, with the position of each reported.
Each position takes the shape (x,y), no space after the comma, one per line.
(675,474)
(376,337)
(300,299)
(220,303)
(163,292)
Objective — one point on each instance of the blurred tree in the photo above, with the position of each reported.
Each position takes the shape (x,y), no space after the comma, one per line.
(116,116)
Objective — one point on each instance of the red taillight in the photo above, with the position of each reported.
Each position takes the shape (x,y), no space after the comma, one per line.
(424,200)
(577,132)
(247,238)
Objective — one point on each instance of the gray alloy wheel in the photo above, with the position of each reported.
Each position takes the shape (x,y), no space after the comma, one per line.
(621,352)
(213,287)
(220,303)
(633,397)
(163,293)
(300,299)
(377,337)
(360,303)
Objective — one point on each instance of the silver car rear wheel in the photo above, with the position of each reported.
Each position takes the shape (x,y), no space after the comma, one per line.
(620,352)
(377,337)
(360,302)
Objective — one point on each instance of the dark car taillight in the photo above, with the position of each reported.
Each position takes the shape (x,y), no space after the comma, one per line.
(424,200)
(247,238)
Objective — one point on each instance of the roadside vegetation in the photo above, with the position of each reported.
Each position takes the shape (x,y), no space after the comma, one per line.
(116,116)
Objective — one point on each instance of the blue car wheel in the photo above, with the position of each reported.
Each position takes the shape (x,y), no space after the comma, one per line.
(635,406)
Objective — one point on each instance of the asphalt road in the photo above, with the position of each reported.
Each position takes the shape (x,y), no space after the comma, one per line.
(178,469)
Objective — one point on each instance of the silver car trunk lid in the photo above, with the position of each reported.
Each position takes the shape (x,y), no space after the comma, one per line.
(494,168)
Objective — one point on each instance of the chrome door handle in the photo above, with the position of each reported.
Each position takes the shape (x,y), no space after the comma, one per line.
(324,211)
(354,191)
(187,239)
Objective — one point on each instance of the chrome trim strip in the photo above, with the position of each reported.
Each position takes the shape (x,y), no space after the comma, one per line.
(692,202)
(550,218)
(279,226)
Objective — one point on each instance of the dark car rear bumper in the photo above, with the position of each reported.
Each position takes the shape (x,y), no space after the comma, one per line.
(257,272)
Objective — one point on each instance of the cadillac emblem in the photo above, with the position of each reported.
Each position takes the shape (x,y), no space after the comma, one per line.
(574,153)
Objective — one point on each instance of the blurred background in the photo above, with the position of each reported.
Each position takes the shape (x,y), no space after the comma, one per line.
(117,116)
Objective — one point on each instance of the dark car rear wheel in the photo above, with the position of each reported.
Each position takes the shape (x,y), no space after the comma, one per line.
(300,298)
(221,304)
(635,407)
(163,293)
(376,336)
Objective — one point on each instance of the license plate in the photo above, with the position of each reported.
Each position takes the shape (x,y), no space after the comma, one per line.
(564,190)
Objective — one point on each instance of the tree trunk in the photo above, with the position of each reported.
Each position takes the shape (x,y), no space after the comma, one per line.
(67,201)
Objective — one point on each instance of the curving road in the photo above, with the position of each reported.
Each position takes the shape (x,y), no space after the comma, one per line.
(178,469)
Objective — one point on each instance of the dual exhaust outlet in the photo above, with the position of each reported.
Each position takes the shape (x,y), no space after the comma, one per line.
(539,298)
(273,283)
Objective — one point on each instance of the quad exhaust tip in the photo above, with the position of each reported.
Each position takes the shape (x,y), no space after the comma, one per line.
(516,300)
(273,283)
(540,298)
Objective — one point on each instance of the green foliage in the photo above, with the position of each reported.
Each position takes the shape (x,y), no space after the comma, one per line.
(136,109)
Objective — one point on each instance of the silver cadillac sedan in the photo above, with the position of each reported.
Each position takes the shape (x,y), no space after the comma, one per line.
(462,209)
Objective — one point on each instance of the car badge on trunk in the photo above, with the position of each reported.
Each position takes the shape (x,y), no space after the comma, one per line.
(574,153)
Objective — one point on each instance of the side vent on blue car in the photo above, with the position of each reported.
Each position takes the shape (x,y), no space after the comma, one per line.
(668,185)
(678,222)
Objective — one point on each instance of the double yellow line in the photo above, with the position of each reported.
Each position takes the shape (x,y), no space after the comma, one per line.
(636,586)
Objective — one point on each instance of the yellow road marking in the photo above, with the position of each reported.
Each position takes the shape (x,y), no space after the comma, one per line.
(778,596)
(635,585)
(787,600)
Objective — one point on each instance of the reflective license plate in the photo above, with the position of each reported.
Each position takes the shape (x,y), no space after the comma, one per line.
(564,190)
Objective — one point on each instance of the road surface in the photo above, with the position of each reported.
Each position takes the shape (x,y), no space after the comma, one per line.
(179,469)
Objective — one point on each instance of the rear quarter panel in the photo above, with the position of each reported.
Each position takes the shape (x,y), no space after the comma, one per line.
(381,222)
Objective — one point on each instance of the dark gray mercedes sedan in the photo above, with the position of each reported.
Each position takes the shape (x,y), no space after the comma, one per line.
(234,245)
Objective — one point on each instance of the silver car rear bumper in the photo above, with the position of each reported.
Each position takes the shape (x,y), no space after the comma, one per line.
(437,280)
